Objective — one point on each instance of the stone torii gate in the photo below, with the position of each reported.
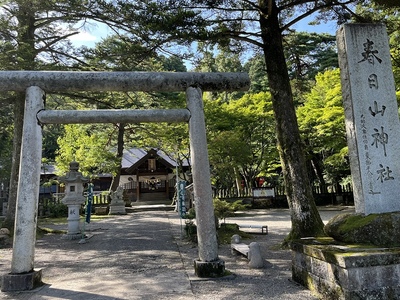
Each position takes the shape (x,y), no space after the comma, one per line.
(37,83)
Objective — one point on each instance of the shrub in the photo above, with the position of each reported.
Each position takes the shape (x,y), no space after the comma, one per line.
(224,209)
(56,210)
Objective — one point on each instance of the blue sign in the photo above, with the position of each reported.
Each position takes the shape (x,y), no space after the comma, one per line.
(181,198)
(89,203)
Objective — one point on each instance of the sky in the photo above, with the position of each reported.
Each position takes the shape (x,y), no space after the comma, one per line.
(329,27)
(93,33)
(84,38)
(90,34)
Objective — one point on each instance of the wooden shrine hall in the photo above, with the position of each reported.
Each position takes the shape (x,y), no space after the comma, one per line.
(148,175)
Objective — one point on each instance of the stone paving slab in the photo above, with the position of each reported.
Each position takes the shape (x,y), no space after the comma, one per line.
(128,257)
(143,255)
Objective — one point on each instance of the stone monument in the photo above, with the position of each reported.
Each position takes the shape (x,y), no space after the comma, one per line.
(117,205)
(372,120)
(74,198)
(361,259)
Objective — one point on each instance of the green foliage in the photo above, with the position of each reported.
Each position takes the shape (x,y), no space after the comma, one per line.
(226,230)
(241,137)
(122,53)
(388,3)
(88,145)
(224,209)
(321,121)
(191,214)
(6,139)
(51,132)
(190,227)
(57,210)
(309,54)
(256,67)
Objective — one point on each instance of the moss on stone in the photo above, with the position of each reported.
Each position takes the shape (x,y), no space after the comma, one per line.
(377,229)
(356,221)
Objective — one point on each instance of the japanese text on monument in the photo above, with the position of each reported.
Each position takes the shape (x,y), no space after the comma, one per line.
(378,136)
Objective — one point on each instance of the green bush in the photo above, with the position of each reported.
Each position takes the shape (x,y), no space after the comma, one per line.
(225,232)
(56,210)
(224,209)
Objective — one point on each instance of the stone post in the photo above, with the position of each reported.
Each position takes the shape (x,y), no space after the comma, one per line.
(74,198)
(23,276)
(208,264)
(372,121)
(117,205)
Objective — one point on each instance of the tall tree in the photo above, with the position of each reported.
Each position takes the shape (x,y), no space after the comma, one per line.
(241,139)
(388,3)
(5,143)
(261,24)
(34,35)
(308,54)
(321,121)
(256,69)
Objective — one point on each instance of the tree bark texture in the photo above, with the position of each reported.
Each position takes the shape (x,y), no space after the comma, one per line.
(26,55)
(120,153)
(305,218)
(18,112)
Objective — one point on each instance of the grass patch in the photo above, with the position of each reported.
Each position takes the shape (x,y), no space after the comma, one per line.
(55,221)
(226,230)
(63,220)
(41,231)
(47,230)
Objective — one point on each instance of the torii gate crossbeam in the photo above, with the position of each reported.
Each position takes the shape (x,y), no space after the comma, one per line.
(37,83)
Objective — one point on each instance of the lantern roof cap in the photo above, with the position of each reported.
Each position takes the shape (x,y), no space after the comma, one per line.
(73,175)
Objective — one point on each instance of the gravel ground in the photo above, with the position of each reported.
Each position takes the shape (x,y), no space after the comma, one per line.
(143,256)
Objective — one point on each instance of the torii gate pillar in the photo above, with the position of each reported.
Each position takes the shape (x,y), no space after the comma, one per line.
(23,276)
(208,264)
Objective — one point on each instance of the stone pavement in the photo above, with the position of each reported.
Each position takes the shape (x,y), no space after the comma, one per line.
(143,255)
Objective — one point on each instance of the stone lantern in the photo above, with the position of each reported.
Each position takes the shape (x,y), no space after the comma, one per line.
(74,198)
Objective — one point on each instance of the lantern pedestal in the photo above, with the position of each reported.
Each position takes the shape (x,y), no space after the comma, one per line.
(74,231)
(73,199)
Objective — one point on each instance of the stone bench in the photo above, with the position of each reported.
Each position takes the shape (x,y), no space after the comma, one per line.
(264,228)
(241,248)
(252,251)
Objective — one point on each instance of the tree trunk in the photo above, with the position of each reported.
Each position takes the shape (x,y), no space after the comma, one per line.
(305,218)
(316,162)
(238,182)
(120,153)
(18,111)
(26,61)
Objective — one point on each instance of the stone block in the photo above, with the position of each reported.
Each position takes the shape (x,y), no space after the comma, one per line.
(256,260)
(335,271)
(117,210)
(103,210)
(21,282)
(210,269)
